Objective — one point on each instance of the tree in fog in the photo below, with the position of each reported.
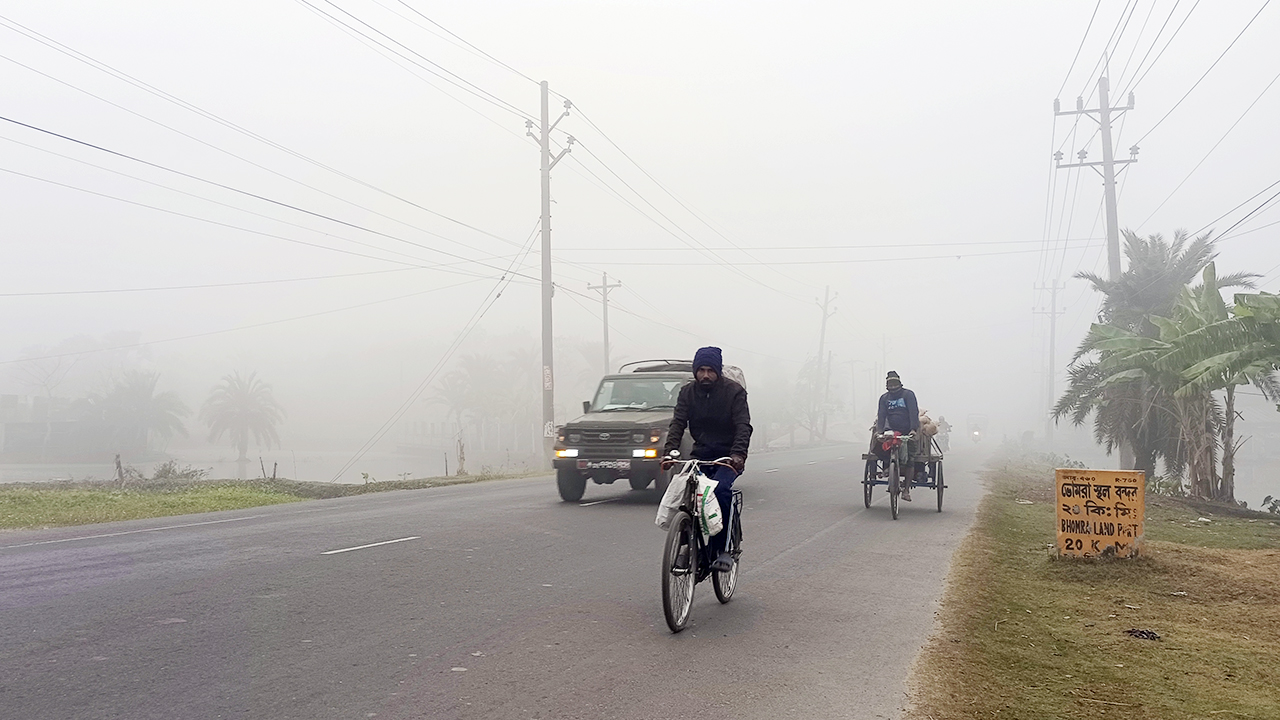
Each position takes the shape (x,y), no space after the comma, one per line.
(1136,415)
(137,415)
(241,407)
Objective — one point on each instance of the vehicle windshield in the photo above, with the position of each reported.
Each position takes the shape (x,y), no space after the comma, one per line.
(638,393)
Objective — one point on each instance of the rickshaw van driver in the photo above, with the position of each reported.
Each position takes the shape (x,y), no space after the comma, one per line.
(714,409)
(898,411)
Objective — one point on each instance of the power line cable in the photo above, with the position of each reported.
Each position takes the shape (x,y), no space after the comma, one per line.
(1176,31)
(168,97)
(248,194)
(464,42)
(1206,72)
(1246,202)
(490,299)
(1082,39)
(1215,147)
(1136,42)
(1121,23)
(440,71)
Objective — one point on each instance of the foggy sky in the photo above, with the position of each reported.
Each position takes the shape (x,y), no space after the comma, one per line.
(784,125)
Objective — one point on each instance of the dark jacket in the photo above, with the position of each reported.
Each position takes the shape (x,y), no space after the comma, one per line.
(898,411)
(718,419)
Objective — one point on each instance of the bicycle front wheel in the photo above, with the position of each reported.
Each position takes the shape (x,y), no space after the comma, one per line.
(677,582)
(895,487)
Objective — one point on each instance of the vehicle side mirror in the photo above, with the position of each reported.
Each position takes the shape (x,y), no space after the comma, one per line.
(586,406)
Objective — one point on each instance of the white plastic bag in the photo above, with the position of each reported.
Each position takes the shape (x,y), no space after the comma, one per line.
(710,520)
(672,499)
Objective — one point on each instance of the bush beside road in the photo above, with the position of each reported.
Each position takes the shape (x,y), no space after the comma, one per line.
(1024,634)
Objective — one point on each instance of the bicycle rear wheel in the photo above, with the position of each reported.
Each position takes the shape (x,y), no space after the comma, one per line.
(937,478)
(677,583)
(894,488)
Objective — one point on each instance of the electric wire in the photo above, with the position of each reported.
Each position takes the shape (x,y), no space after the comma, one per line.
(129,79)
(1136,42)
(250,194)
(1246,202)
(464,42)
(1206,72)
(440,71)
(1143,76)
(1081,47)
(490,299)
(204,286)
(1206,155)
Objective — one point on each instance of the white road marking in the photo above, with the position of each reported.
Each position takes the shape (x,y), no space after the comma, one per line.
(130,532)
(361,547)
(811,462)
(597,502)
(772,470)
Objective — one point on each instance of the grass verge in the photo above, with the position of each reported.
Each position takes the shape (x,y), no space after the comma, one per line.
(40,505)
(1026,635)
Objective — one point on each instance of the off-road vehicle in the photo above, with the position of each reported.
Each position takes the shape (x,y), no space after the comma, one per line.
(621,432)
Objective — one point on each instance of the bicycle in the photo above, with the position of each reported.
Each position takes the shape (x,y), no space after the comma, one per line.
(891,442)
(685,542)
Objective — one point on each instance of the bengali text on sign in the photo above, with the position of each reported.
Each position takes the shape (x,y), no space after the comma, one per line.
(1099,512)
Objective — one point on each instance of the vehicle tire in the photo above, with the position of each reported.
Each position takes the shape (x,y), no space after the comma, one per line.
(894,488)
(640,482)
(937,478)
(868,479)
(571,484)
(661,482)
(677,585)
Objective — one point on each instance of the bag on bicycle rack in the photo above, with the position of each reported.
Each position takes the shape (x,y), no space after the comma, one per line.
(710,520)
(672,499)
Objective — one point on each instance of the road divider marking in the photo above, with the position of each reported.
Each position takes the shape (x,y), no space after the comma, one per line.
(362,547)
(597,502)
(130,532)
(771,470)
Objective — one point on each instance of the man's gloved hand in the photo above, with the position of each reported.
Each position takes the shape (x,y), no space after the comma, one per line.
(738,463)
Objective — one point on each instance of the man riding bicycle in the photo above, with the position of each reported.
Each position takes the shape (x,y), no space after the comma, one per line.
(898,412)
(714,409)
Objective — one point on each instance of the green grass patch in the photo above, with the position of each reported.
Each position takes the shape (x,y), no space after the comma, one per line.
(1027,635)
(38,505)
(28,507)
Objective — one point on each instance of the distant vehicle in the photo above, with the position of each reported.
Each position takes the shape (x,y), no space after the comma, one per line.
(977,427)
(621,432)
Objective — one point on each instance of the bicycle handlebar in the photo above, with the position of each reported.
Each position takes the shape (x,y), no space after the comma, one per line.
(669,461)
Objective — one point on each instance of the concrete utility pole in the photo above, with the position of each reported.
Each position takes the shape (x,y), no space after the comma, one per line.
(1105,115)
(548,355)
(604,287)
(827,312)
(1053,312)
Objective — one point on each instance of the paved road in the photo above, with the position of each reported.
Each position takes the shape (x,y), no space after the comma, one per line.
(506,604)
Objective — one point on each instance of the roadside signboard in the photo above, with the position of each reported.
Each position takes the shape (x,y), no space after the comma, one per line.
(1099,512)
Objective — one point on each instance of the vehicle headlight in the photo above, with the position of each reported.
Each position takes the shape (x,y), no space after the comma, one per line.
(655,435)
(637,438)
(575,437)
(644,453)
(567,452)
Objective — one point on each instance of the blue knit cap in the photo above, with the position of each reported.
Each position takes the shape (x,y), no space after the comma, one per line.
(709,357)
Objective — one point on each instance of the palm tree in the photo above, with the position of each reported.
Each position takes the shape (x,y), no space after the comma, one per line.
(136,414)
(1127,416)
(242,407)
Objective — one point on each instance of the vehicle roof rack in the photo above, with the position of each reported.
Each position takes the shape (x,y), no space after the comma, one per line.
(663,365)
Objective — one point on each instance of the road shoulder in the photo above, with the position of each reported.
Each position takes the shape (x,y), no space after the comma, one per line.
(1022,634)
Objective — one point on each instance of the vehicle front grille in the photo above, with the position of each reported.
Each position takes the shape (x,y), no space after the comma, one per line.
(620,436)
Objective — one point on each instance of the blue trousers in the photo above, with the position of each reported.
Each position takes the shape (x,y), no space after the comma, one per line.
(724,478)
